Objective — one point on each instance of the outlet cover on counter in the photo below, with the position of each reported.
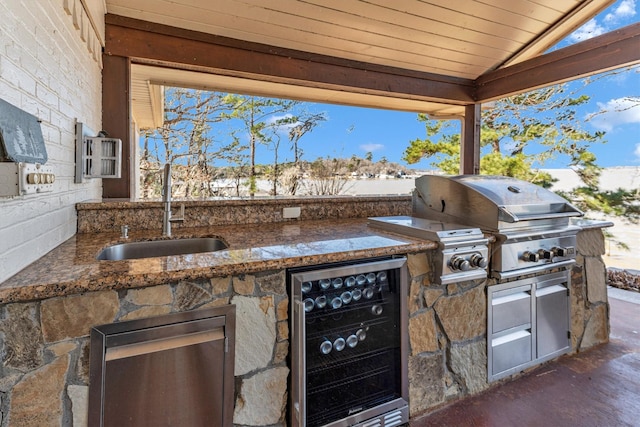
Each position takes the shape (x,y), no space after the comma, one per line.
(291,212)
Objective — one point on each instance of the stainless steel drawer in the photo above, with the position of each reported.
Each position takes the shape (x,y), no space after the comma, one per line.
(511,309)
(511,350)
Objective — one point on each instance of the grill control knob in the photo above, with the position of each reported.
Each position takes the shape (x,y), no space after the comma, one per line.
(459,263)
(477,260)
(559,251)
(545,254)
(530,256)
(376,309)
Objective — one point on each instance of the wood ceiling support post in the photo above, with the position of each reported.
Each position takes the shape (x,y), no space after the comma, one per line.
(470,144)
(116,121)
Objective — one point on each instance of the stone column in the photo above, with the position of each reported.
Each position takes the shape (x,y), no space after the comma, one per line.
(590,307)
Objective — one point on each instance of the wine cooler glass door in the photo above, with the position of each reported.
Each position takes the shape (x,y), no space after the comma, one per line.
(348,342)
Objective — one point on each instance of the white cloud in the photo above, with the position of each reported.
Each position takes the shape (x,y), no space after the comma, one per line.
(614,113)
(636,152)
(371,147)
(626,9)
(622,13)
(587,31)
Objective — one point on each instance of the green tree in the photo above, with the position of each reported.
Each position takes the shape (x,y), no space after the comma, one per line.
(303,124)
(510,127)
(186,135)
(261,119)
(544,118)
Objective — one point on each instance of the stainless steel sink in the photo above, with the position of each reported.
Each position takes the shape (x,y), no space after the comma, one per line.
(155,248)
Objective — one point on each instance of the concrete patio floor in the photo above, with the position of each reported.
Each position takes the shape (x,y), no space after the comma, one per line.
(599,387)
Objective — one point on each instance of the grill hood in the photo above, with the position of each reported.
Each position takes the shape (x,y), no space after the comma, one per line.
(492,203)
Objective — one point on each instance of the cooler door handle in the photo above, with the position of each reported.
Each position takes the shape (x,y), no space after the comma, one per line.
(299,364)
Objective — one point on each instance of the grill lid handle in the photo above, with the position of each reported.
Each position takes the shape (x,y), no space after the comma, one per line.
(507,216)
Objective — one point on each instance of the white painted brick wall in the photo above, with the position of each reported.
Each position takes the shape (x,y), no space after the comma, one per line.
(46,70)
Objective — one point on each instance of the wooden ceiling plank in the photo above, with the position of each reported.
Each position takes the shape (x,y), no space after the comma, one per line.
(134,43)
(539,12)
(433,27)
(462,64)
(606,52)
(555,4)
(380,32)
(153,27)
(421,17)
(321,36)
(399,40)
(499,22)
(221,20)
(568,23)
(459,65)
(495,10)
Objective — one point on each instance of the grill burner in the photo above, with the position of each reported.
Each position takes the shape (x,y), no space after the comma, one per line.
(463,251)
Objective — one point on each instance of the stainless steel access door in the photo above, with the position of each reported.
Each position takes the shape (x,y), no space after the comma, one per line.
(173,370)
(552,314)
(527,322)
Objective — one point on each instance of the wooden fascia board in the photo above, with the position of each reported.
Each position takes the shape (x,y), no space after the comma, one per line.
(179,48)
(570,22)
(609,51)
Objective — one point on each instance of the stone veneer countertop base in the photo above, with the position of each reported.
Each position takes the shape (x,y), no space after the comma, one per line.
(72,268)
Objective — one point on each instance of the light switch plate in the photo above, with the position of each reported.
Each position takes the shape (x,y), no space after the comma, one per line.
(19,179)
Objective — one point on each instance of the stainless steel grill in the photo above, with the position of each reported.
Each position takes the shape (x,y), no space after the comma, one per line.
(535,244)
(531,224)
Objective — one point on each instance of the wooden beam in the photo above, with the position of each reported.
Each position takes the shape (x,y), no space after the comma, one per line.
(185,49)
(116,120)
(470,144)
(606,52)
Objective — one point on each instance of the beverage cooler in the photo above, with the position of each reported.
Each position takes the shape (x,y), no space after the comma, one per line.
(349,344)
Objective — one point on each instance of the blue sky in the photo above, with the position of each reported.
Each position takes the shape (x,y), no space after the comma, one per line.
(356,131)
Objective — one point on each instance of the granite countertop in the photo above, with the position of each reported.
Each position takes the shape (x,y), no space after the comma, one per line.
(72,268)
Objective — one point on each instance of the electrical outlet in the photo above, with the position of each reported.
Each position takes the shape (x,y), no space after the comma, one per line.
(291,212)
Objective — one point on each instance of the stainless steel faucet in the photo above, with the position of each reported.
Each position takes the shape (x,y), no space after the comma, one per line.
(167,218)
